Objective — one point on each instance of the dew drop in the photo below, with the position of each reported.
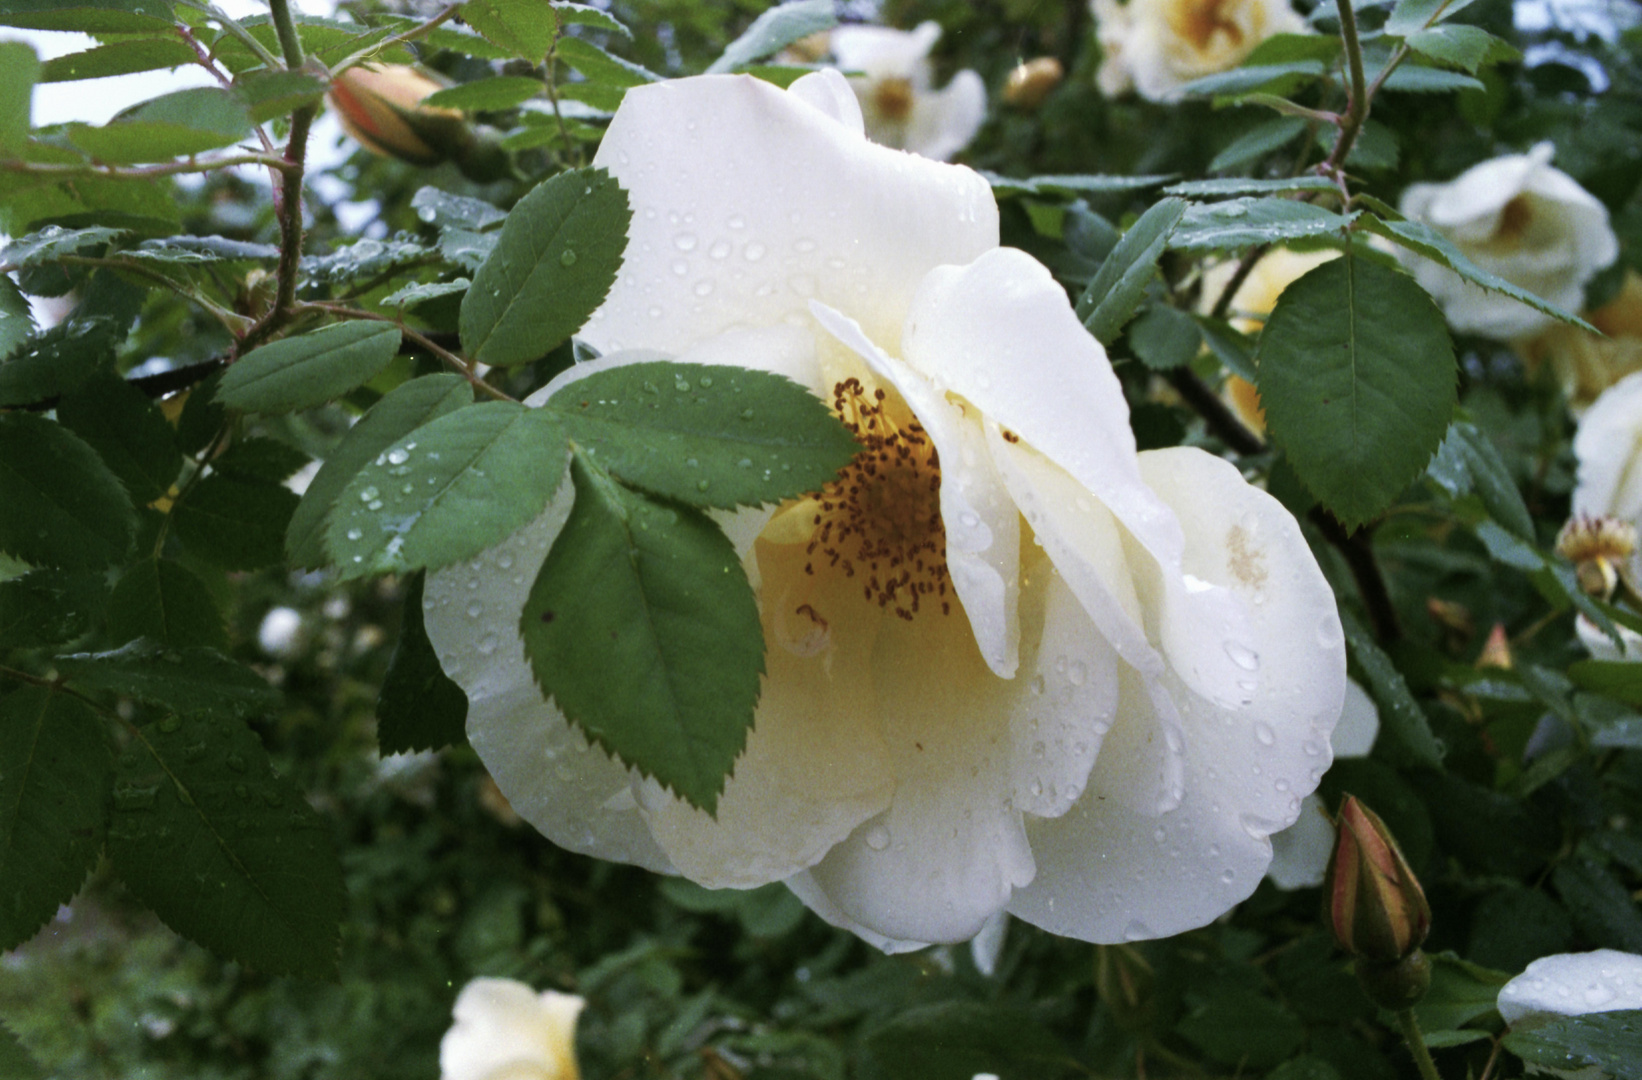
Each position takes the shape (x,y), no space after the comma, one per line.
(398,456)
(487,644)
(368,494)
(170,724)
(720,250)
(355,534)
(1077,673)
(1264,733)
(877,838)
(685,241)
(567,257)
(475,609)
(753,252)
(1243,656)
(1036,685)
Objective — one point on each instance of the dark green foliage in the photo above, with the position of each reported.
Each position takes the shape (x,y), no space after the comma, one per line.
(310,369)
(163,600)
(235,522)
(62,505)
(419,707)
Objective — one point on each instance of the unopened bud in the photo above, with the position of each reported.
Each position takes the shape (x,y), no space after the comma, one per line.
(1376,907)
(1496,652)
(1032,81)
(380,105)
(1600,549)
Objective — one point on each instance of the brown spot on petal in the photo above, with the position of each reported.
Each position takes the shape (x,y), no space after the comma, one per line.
(1246,564)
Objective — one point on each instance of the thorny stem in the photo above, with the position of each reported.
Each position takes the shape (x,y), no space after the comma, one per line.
(462,367)
(203,57)
(1416,1045)
(398,39)
(1358,101)
(290,232)
(289,43)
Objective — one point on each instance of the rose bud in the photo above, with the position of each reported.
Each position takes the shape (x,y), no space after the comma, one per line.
(1376,908)
(1031,81)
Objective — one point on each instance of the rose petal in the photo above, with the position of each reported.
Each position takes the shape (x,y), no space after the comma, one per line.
(880,51)
(1573,984)
(1607,445)
(502,1023)
(982,524)
(815,898)
(943,122)
(1107,873)
(1359,725)
(766,202)
(1300,853)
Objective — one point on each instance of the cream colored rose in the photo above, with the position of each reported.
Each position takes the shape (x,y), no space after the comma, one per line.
(504,1030)
(899,104)
(1517,217)
(1608,446)
(1157,46)
(1585,363)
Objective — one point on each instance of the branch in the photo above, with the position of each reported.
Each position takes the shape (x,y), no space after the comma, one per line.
(148,172)
(289,209)
(232,28)
(290,43)
(398,39)
(1358,101)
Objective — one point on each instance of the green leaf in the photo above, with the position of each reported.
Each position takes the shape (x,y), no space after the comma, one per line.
(184,680)
(657,592)
(89,16)
(1118,287)
(1231,346)
(48,607)
(1257,142)
(174,125)
(487,95)
(55,770)
(128,431)
(954,1040)
(1414,79)
(269,95)
(443,210)
(404,409)
(202,249)
(309,369)
(365,259)
(16,318)
(19,70)
(555,260)
(1165,338)
(445,37)
(1421,238)
(1604,1044)
(1460,993)
(465,248)
(118,58)
(705,436)
(1243,1028)
(164,600)
(53,242)
(448,490)
(515,25)
(1618,679)
(68,354)
(17,1063)
(1602,908)
(420,708)
(572,14)
(202,418)
(1357,378)
(259,458)
(774,30)
(1239,223)
(62,505)
(1003,186)
(1467,461)
(1456,45)
(420,293)
(235,523)
(1241,185)
(1281,79)
(1406,736)
(601,67)
(1412,15)
(222,849)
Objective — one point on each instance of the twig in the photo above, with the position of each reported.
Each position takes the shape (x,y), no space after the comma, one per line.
(398,39)
(1357,101)
(289,210)
(1215,413)
(148,172)
(290,43)
(1357,549)
(462,367)
(1416,1045)
(231,27)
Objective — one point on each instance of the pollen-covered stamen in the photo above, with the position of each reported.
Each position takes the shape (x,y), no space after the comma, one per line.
(880,521)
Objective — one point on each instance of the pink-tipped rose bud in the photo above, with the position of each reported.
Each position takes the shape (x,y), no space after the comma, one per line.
(380,105)
(1376,907)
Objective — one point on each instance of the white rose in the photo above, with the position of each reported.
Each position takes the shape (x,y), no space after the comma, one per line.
(1123,674)
(1608,446)
(504,1030)
(1572,984)
(1517,217)
(1158,46)
(1300,853)
(898,104)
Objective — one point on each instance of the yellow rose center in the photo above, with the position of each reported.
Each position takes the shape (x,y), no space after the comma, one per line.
(880,521)
(893,99)
(1513,220)
(1198,21)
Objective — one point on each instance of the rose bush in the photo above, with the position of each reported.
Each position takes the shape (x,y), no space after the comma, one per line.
(899,104)
(1517,217)
(1157,46)
(504,1030)
(1010,663)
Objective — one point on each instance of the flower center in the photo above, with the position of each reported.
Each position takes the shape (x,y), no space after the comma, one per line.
(893,98)
(1198,21)
(1513,220)
(881,519)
